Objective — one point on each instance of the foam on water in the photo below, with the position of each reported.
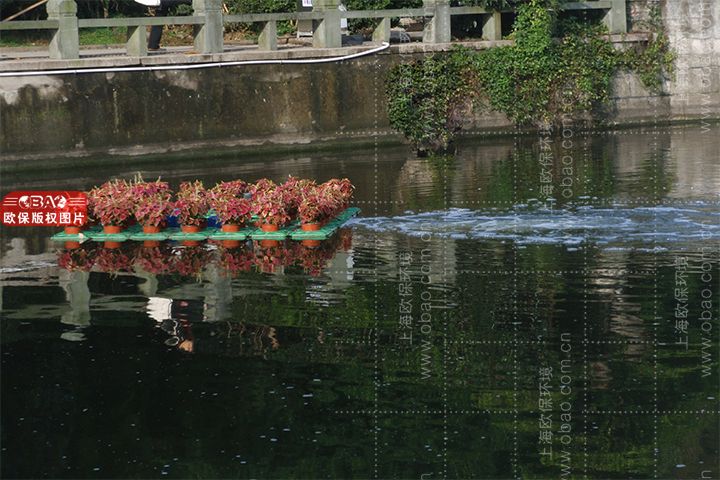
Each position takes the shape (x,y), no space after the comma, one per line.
(615,227)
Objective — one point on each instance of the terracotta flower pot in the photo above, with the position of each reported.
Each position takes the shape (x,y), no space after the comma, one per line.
(112,244)
(151,243)
(72,245)
(227,227)
(190,243)
(311,243)
(269,243)
(112,229)
(310,227)
(268,227)
(230,243)
(151,229)
(72,230)
(190,228)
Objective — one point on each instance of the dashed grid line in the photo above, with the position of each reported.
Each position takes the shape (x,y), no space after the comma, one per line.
(445,328)
(669,130)
(371,271)
(345,341)
(585,344)
(655,161)
(376,422)
(517,412)
(609,202)
(516,453)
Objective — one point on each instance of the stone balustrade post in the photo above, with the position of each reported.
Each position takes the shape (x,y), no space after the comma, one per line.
(65,42)
(616,18)
(437,21)
(209,35)
(326,32)
(492,26)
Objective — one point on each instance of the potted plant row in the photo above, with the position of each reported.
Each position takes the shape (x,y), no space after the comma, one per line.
(118,204)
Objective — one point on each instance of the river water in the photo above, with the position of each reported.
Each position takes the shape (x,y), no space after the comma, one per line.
(471,323)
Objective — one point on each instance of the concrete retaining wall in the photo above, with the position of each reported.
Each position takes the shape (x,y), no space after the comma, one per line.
(125,113)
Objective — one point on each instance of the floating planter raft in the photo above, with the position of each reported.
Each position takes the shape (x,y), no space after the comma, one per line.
(292,231)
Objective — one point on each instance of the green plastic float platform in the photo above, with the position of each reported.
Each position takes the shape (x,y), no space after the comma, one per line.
(292,231)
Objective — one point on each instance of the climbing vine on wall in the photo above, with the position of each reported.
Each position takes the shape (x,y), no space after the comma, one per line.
(555,67)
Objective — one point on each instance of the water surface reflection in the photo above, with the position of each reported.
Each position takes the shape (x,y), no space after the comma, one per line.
(475,326)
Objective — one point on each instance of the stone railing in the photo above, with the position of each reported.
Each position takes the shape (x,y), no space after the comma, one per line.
(209,20)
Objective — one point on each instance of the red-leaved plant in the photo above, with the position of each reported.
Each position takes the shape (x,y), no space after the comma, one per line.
(291,193)
(270,209)
(261,186)
(152,211)
(112,203)
(232,211)
(229,205)
(318,205)
(235,188)
(342,190)
(191,205)
(152,202)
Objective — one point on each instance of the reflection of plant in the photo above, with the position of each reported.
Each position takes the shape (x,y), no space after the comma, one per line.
(191,205)
(112,260)
(345,236)
(235,260)
(190,261)
(79,259)
(112,202)
(153,260)
(267,259)
(313,260)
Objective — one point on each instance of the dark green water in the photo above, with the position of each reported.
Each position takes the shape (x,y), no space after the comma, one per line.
(545,342)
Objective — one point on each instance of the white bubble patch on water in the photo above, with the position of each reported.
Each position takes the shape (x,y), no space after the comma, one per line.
(642,227)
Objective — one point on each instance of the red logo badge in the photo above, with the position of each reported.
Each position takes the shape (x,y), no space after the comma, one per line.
(44,209)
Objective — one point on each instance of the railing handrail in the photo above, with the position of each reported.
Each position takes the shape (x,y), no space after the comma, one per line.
(210,19)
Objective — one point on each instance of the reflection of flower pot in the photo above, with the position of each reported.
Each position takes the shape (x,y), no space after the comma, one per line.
(311,243)
(72,245)
(310,227)
(151,243)
(72,230)
(230,243)
(112,229)
(190,243)
(111,244)
(227,227)
(151,229)
(190,228)
(268,227)
(269,243)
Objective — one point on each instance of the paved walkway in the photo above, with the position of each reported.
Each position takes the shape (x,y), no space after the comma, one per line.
(15,59)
